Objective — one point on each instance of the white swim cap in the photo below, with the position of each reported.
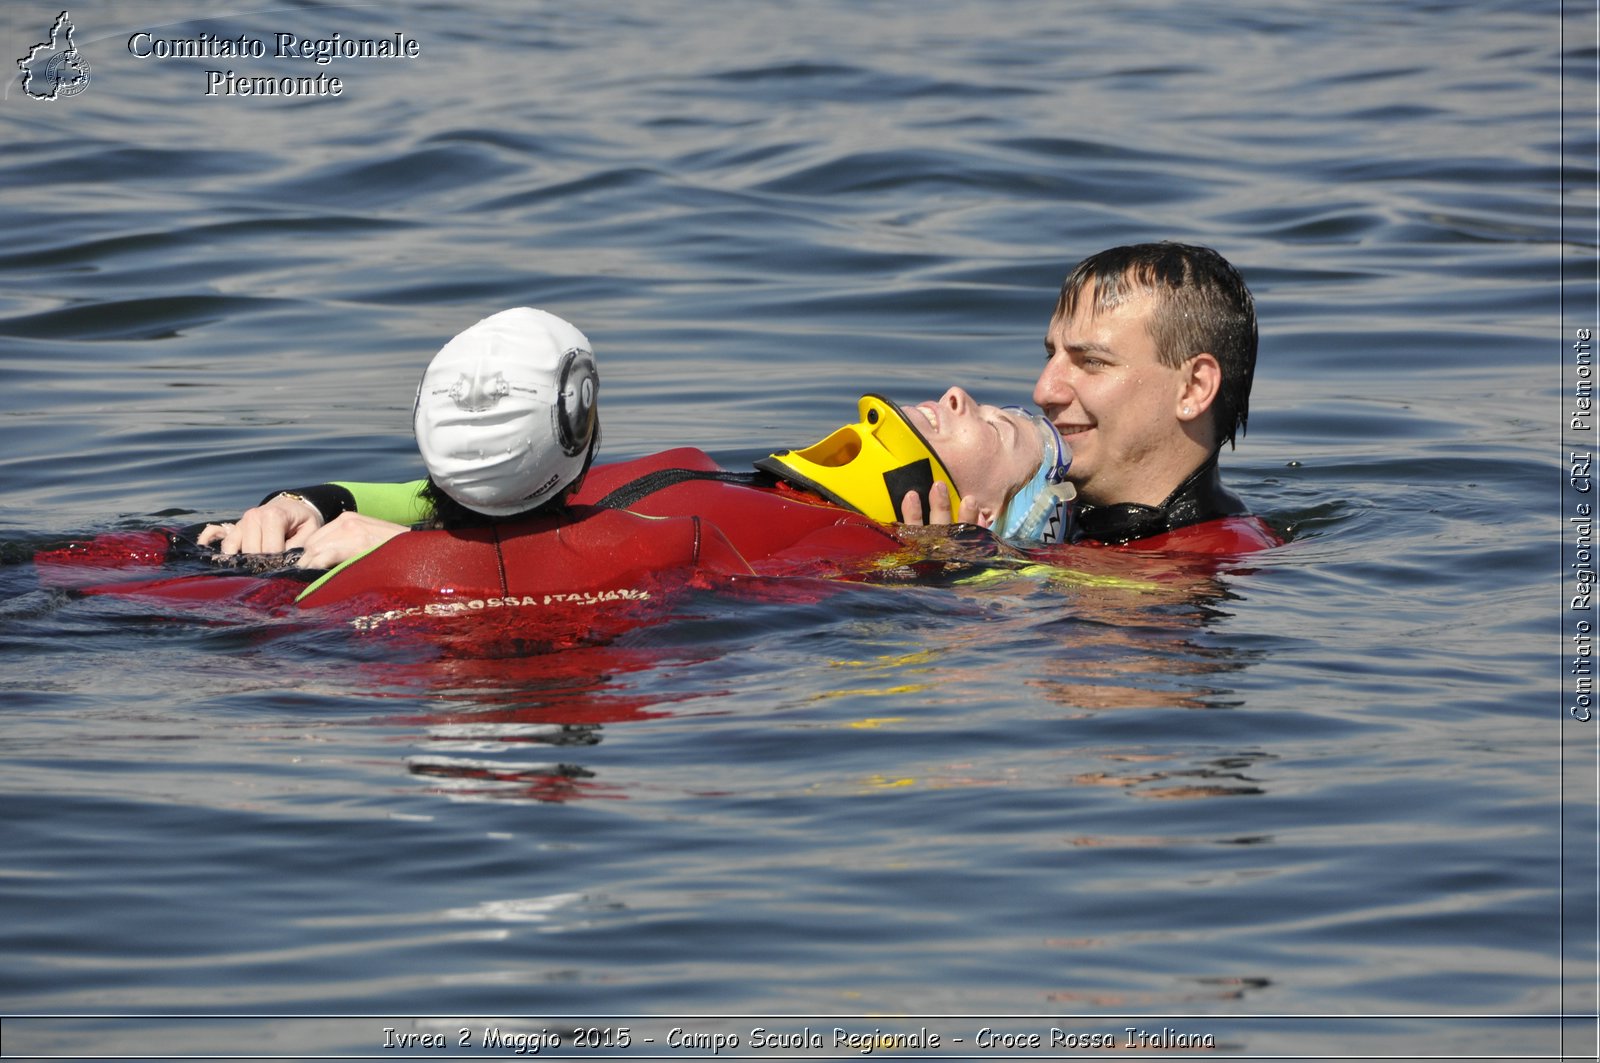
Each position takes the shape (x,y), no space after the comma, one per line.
(506,412)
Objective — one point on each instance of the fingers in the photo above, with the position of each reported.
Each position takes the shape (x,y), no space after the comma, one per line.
(347,535)
(225,537)
(938,506)
(301,534)
(320,556)
(969,513)
(276,525)
(263,535)
(911,508)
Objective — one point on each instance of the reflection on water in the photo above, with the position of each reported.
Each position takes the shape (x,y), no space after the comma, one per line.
(489,715)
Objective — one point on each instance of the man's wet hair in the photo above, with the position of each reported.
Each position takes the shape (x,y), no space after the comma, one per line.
(1202,304)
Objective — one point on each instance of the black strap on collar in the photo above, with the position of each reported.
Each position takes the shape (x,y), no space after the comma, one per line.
(632,492)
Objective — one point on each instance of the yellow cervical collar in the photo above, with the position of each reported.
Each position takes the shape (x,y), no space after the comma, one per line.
(869,466)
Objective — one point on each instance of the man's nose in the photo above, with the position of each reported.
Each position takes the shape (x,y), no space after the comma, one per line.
(957,399)
(1054,386)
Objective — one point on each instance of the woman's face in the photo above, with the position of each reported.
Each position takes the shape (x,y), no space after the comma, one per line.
(989,452)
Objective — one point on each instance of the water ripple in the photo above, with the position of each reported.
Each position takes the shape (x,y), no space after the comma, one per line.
(1321,777)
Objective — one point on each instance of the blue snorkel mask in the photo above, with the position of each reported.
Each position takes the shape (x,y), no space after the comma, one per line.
(1041,510)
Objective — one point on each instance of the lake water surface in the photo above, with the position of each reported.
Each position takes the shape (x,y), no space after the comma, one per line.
(1328,802)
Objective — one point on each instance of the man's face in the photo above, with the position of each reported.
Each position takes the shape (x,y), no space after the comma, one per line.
(1115,404)
(988,451)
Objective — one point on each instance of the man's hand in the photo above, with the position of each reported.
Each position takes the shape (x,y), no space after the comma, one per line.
(939,508)
(347,535)
(280,523)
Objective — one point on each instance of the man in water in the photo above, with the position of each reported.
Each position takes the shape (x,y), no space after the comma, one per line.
(497,400)
(1149,359)
(1150,356)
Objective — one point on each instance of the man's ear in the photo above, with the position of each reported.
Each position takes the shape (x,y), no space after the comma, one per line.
(1202,382)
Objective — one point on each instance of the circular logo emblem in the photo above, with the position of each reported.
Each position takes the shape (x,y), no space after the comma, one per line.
(576,412)
(67,72)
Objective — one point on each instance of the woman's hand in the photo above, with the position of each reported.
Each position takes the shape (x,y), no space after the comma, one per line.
(345,536)
(939,508)
(280,523)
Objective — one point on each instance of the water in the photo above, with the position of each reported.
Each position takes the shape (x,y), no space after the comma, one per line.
(1328,801)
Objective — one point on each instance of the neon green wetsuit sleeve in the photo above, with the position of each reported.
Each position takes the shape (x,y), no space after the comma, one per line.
(398,503)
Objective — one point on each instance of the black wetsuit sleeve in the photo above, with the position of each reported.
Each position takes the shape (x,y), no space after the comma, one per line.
(330,499)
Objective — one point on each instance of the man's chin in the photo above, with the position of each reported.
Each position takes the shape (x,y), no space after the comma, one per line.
(1093,493)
